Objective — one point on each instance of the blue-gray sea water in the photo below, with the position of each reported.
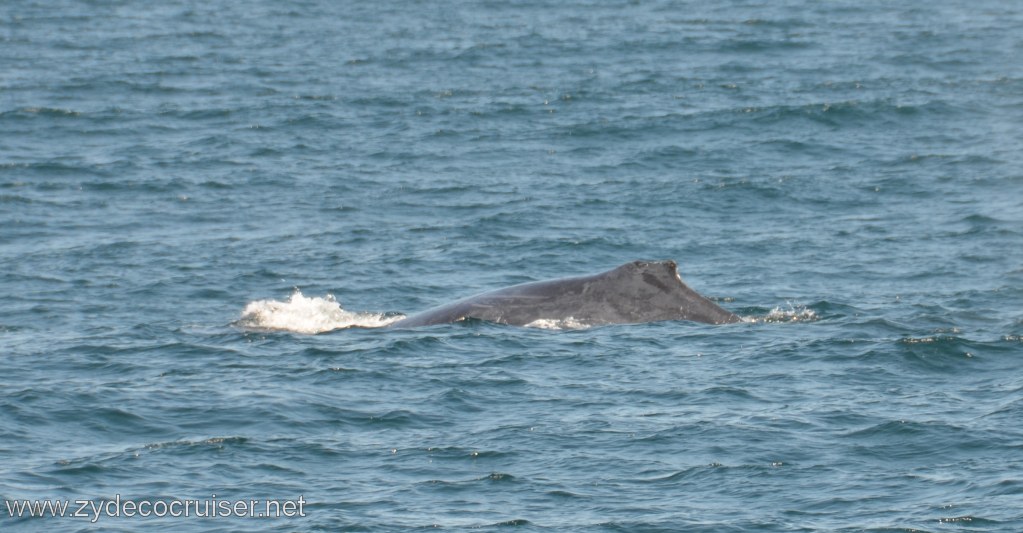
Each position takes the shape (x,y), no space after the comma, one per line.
(197,196)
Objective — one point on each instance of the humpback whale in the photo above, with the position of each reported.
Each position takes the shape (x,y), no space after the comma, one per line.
(640,291)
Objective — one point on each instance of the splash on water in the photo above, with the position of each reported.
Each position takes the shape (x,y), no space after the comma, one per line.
(300,314)
(792,314)
(557,323)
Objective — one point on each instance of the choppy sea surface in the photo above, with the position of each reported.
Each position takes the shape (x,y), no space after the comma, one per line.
(199,199)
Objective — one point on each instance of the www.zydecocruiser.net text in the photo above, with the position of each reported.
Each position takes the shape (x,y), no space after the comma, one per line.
(119,507)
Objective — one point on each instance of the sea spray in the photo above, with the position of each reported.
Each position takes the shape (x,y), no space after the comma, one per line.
(301,314)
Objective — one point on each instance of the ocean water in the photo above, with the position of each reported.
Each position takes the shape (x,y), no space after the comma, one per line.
(205,207)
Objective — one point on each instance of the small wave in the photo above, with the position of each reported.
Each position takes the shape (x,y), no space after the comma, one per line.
(792,314)
(308,315)
(42,112)
(967,519)
(217,442)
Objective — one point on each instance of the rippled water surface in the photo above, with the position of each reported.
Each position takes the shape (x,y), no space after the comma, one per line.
(197,199)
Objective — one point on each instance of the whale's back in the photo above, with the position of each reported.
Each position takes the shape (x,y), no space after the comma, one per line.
(640,291)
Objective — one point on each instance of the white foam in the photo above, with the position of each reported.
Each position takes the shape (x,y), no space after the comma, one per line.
(308,315)
(792,314)
(557,323)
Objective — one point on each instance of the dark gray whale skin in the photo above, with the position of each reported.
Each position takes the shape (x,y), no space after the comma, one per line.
(640,291)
